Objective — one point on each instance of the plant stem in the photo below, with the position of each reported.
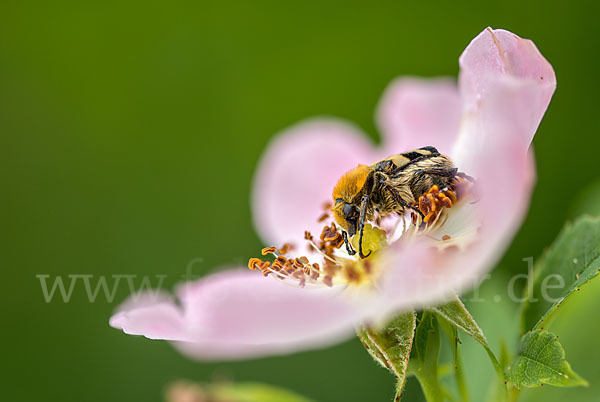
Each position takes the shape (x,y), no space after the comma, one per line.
(430,386)
(513,394)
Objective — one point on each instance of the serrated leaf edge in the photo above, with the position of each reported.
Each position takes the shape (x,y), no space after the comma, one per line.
(578,379)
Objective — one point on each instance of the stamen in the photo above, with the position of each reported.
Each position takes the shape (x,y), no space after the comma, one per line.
(329,233)
(269,250)
(264,268)
(285,248)
(299,269)
(433,201)
(289,267)
(331,239)
(338,268)
(320,251)
(314,275)
(254,263)
(323,217)
(302,260)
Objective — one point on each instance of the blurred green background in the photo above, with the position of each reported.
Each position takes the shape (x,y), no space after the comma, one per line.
(129,136)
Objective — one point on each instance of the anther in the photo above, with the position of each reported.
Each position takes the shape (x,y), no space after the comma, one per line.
(303,260)
(323,217)
(265,268)
(428,216)
(329,233)
(285,248)
(434,200)
(254,263)
(289,267)
(452,196)
(269,250)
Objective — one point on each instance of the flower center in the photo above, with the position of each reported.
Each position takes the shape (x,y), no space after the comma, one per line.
(337,267)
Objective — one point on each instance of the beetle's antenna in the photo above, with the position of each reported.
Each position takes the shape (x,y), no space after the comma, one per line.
(361,224)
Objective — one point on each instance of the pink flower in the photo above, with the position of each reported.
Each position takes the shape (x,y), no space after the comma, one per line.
(485,125)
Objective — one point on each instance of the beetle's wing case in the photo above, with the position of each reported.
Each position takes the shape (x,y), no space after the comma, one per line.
(410,174)
(397,162)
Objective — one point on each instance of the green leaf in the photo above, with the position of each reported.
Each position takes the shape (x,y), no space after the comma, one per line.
(391,346)
(424,358)
(457,314)
(254,392)
(574,258)
(541,360)
(226,391)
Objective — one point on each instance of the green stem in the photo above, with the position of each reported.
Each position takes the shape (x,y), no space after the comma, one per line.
(513,394)
(460,378)
(430,385)
(452,334)
(427,352)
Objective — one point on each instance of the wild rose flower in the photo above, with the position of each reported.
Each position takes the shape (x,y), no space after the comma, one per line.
(485,126)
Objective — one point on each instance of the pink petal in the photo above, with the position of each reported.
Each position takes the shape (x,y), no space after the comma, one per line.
(153,315)
(416,112)
(421,276)
(501,56)
(297,173)
(506,110)
(240,314)
(505,99)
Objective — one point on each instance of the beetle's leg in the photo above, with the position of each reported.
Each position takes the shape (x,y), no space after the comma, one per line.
(399,199)
(361,225)
(349,248)
(413,207)
(465,176)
